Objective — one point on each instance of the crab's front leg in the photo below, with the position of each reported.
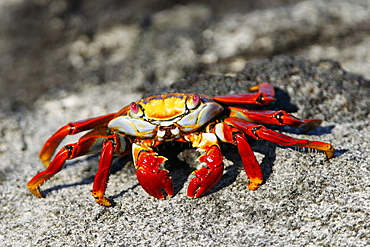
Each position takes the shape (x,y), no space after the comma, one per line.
(152,179)
(205,178)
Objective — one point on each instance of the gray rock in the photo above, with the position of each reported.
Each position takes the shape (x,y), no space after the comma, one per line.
(305,199)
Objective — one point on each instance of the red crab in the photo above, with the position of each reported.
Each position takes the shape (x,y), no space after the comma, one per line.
(196,118)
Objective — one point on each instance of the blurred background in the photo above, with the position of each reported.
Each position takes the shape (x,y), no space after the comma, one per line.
(52,45)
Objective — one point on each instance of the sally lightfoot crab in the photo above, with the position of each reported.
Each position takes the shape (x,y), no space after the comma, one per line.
(198,119)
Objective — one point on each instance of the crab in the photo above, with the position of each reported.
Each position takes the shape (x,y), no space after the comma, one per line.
(195,118)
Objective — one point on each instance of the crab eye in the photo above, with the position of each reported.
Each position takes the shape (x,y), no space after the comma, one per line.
(193,102)
(135,110)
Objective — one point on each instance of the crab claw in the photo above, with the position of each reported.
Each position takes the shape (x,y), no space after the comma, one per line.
(152,179)
(206,178)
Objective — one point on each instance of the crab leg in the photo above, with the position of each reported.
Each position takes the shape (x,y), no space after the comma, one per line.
(70,129)
(151,178)
(206,178)
(114,145)
(265,88)
(55,166)
(70,151)
(264,96)
(102,175)
(234,136)
(272,117)
(260,132)
(86,145)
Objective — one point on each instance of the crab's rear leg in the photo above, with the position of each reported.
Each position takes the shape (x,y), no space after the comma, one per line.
(234,136)
(94,142)
(265,88)
(264,96)
(82,147)
(273,117)
(260,132)
(70,129)
(55,166)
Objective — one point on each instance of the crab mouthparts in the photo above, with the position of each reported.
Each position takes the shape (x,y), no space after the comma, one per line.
(168,133)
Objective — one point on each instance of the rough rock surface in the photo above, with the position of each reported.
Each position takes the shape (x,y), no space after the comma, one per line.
(63,60)
(305,200)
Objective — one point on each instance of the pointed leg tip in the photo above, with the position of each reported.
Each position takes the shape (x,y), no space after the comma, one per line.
(254,184)
(329,151)
(104,202)
(36,191)
(329,154)
(101,199)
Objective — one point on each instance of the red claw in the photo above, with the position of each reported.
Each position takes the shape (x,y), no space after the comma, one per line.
(206,178)
(152,179)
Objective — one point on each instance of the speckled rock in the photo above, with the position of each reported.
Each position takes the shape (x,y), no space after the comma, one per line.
(305,200)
